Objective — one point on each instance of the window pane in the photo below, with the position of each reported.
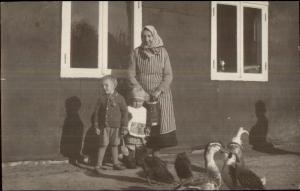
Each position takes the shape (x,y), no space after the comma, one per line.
(252,40)
(84,34)
(226,38)
(119,34)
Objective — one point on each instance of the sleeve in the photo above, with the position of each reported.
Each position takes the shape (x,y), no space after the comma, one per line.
(124,112)
(129,116)
(167,73)
(132,71)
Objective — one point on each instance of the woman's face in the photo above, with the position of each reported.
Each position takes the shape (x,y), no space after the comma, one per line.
(147,38)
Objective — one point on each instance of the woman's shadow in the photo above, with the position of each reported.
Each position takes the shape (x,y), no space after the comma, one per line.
(72,132)
(258,133)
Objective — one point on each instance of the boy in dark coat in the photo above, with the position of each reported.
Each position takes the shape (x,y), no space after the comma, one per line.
(110,121)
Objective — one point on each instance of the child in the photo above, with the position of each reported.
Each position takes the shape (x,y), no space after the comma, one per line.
(137,131)
(110,120)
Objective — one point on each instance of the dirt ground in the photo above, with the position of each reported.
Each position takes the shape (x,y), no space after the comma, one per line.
(282,171)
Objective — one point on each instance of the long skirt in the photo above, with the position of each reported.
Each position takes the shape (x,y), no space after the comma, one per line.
(158,141)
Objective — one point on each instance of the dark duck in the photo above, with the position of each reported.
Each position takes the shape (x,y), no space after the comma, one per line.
(242,177)
(235,174)
(212,179)
(183,167)
(155,169)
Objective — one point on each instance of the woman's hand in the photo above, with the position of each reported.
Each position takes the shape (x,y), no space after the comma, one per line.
(96,127)
(156,93)
(97,131)
(147,131)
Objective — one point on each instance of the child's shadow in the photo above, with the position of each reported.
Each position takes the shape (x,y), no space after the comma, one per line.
(91,146)
(72,132)
(258,133)
(115,177)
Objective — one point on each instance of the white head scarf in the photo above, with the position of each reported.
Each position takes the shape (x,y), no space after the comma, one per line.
(156,43)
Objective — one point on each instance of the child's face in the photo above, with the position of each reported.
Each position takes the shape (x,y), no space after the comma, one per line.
(137,103)
(108,86)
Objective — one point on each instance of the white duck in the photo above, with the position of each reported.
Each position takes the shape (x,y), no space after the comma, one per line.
(235,146)
(212,179)
(238,138)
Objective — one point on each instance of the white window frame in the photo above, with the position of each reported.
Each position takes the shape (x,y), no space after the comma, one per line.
(240,75)
(66,70)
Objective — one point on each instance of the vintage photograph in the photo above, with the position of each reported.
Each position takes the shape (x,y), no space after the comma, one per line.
(150,95)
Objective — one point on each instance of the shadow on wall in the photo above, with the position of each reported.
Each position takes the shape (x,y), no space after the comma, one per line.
(123,87)
(259,132)
(91,146)
(72,133)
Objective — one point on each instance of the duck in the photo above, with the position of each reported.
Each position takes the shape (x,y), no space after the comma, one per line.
(212,179)
(235,146)
(155,169)
(238,137)
(235,173)
(183,167)
(241,177)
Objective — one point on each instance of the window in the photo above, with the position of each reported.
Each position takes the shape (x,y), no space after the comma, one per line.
(98,36)
(239,41)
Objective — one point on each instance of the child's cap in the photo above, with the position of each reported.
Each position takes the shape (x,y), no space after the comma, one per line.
(138,93)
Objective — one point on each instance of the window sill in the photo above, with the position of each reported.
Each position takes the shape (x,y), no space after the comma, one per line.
(76,73)
(245,77)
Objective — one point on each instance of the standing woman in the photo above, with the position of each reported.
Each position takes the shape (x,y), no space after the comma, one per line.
(151,70)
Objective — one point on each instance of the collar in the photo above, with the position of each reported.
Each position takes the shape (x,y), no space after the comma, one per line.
(113,95)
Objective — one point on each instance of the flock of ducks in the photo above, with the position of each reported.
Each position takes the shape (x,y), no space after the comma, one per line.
(234,173)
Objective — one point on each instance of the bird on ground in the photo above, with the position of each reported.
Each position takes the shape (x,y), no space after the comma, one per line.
(235,146)
(235,174)
(240,177)
(238,137)
(183,167)
(155,169)
(212,179)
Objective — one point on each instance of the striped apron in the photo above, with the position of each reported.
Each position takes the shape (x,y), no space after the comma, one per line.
(149,73)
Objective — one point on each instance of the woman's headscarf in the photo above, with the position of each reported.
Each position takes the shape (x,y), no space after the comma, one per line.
(157,42)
